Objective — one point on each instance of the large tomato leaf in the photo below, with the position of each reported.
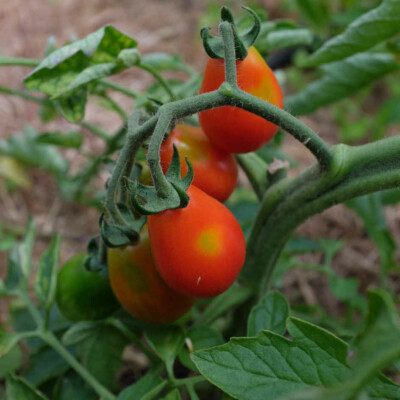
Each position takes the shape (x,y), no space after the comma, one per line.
(377,25)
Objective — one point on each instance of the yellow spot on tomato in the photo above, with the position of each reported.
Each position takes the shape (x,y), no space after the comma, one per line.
(209,241)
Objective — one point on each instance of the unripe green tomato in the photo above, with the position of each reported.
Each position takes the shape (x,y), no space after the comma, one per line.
(83,295)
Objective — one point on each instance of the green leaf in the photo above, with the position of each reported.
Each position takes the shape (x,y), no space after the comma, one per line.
(79,331)
(23,147)
(269,314)
(18,389)
(222,303)
(10,361)
(370,209)
(101,354)
(340,80)
(148,386)
(316,12)
(247,368)
(368,30)
(20,260)
(44,365)
(200,337)
(285,39)
(70,139)
(72,106)
(46,278)
(8,341)
(80,62)
(72,386)
(167,342)
(173,395)
(164,62)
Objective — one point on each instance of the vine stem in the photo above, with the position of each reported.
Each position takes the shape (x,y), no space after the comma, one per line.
(134,140)
(48,337)
(225,29)
(159,78)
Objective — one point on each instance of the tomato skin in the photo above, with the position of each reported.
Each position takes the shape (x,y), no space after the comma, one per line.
(215,171)
(232,129)
(139,287)
(198,250)
(82,295)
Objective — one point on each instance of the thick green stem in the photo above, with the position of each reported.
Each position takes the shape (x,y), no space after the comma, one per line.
(18,62)
(354,171)
(225,29)
(281,118)
(153,159)
(133,142)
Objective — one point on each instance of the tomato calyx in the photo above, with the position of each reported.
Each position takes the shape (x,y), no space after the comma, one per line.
(147,201)
(214,46)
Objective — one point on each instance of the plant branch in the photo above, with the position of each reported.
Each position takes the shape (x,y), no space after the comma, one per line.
(95,130)
(120,88)
(18,62)
(225,29)
(159,78)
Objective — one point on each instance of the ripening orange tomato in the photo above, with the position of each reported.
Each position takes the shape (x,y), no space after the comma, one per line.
(198,250)
(232,129)
(138,286)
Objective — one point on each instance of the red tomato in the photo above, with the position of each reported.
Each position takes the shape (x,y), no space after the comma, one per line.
(215,172)
(198,250)
(233,129)
(139,287)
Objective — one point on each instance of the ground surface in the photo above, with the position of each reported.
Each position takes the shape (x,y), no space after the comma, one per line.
(169,26)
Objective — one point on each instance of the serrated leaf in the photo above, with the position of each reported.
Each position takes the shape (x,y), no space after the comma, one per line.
(247,368)
(46,278)
(66,68)
(18,389)
(72,386)
(70,139)
(377,25)
(269,314)
(341,79)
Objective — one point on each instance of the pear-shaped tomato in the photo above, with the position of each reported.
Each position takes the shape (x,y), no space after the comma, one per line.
(232,129)
(139,287)
(198,250)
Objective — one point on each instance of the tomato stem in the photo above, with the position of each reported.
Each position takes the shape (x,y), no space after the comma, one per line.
(225,29)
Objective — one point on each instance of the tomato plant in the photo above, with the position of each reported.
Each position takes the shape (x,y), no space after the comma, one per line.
(139,287)
(232,129)
(82,295)
(329,336)
(208,249)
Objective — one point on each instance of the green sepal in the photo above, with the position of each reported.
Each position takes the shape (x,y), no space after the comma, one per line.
(115,235)
(146,200)
(214,45)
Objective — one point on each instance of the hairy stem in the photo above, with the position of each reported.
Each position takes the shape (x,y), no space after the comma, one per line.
(225,29)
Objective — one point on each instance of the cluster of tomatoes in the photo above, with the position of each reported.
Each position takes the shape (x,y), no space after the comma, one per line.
(196,251)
